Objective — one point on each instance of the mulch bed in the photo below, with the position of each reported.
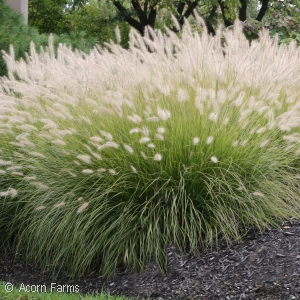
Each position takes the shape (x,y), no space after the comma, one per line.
(264,266)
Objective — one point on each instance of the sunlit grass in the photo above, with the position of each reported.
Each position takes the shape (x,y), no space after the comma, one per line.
(108,158)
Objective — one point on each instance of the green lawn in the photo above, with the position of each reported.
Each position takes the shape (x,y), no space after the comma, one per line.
(35,292)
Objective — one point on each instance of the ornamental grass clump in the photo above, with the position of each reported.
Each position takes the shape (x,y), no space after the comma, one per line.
(108,158)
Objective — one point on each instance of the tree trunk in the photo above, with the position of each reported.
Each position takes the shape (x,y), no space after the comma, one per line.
(243,10)
(263,10)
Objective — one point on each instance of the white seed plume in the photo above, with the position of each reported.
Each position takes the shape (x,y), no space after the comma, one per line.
(261,130)
(128,148)
(96,139)
(41,207)
(264,143)
(107,135)
(213,117)
(59,142)
(226,121)
(37,154)
(161,130)
(85,158)
(13,168)
(72,174)
(112,171)
(86,120)
(22,136)
(39,185)
(159,137)
(209,140)
(2,172)
(135,118)
(157,157)
(183,95)
(196,141)
(5,162)
(145,131)
(214,159)
(135,130)
(30,178)
(17,173)
(163,114)
(79,199)
(258,194)
(244,142)
(101,170)
(151,145)
(134,170)
(11,192)
(144,156)
(87,171)
(82,207)
(144,140)
(109,145)
(27,127)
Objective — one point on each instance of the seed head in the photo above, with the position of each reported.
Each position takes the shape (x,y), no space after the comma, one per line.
(209,140)
(213,117)
(135,118)
(183,95)
(40,207)
(164,114)
(128,148)
(134,170)
(157,157)
(258,194)
(196,140)
(109,145)
(87,171)
(96,139)
(159,137)
(161,130)
(17,173)
(59,142)
(107,135)
(261,130)
(143,155)
(144,140)
(39,185)
(82,207)
(135,130)
(264,143)
(214,159)
(84,158)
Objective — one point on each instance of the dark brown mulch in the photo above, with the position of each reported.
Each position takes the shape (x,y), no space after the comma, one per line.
(262,267)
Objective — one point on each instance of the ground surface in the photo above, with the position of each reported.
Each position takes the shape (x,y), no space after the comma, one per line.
(262,267)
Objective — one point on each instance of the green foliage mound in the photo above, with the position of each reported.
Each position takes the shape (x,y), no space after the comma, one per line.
(108,157)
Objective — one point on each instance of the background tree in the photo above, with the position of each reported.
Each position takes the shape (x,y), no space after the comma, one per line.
(98,19)
(140,14)
(48,16)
